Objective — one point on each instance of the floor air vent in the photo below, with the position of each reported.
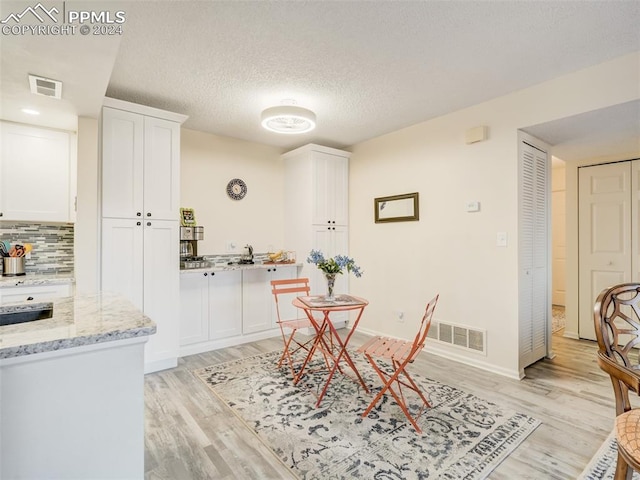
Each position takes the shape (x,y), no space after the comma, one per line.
(459,336)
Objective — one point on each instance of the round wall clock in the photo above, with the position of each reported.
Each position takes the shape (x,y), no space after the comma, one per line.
(236,189)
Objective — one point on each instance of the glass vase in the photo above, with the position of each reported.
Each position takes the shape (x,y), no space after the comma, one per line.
(331,280)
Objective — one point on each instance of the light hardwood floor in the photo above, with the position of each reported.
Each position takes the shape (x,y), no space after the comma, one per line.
(190,434)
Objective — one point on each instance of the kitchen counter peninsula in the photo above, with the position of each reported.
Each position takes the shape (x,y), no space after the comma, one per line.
(72,391)
(77,321)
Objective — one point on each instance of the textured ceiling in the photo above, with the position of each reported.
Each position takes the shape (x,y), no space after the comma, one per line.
(365,67)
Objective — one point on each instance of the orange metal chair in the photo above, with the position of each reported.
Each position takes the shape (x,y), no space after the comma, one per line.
(617,323)
(400,353)
(291,288)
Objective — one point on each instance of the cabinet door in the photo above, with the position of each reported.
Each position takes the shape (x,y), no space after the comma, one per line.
(256,304)
(287,310)
(36,174)
(330,184)
(161,169)
(122,262)
(194,308)
(162,289)
(225,304)
(331,241)
(122,163)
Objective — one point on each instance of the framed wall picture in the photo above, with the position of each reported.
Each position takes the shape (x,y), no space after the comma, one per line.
(187,217)
(397,208)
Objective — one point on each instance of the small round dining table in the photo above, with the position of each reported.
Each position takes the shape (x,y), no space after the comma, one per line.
(327,307)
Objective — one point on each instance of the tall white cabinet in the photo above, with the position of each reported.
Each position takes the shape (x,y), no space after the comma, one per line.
(317,209)
(140,181)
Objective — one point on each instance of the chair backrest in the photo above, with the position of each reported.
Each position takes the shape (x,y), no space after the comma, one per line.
(616,316)
(290,287)
(425,324)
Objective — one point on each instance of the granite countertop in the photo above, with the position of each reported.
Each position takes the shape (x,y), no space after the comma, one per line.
(80,320)
(34,279)
(221,267)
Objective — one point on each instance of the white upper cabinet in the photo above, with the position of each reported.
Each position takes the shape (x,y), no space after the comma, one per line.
(37,174)
(140,165)
(122,163)
(161,169)
(330,173)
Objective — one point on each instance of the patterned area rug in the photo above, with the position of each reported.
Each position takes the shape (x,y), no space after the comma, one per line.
(603,464)
(463,435)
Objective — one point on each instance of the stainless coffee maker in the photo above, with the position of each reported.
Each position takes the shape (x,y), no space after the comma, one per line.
(189,237)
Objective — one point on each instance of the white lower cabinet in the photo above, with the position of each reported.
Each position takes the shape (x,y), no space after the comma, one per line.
(224,308)
(258,307)
(34,293)
(210,306)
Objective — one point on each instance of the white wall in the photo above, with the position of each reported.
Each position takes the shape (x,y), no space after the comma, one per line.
(86,227)
(449,250)
(558,234)
(208,162)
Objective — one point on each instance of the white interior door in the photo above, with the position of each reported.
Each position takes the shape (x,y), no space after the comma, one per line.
(604,235)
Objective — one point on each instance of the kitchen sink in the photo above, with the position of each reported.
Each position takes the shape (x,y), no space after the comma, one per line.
(12,314)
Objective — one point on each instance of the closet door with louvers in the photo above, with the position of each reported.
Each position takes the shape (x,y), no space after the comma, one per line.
(533,250)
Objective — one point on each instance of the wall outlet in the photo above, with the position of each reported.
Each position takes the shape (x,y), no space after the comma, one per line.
(472,206)
(501,239)
(400,316)
(231,246)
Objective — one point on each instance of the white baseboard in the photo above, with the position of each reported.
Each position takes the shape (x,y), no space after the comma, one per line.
(454,354)
(202,347)
(157,365)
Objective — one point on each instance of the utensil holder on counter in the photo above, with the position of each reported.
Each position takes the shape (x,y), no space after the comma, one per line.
(13,266)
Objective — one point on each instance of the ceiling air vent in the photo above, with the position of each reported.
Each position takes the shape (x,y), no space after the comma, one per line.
(45,86)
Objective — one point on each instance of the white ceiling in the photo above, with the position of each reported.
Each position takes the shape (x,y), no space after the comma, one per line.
(364,67)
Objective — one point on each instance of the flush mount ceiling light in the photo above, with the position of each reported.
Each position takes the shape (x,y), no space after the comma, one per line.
(289,119)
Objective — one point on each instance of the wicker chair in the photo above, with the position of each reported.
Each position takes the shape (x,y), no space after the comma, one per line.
(617,325)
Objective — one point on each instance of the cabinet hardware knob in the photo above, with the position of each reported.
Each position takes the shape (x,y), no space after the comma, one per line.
(148,224)
(29,298)
(205,274)
(138,223)
(138,214)
(148,214)
(213,273)
(334,221)
(1,214)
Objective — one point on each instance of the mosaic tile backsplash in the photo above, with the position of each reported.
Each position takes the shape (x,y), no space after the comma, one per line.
(52,245)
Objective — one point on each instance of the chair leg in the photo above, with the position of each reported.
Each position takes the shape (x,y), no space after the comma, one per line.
(623,472)
(388,382)
(385,385)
